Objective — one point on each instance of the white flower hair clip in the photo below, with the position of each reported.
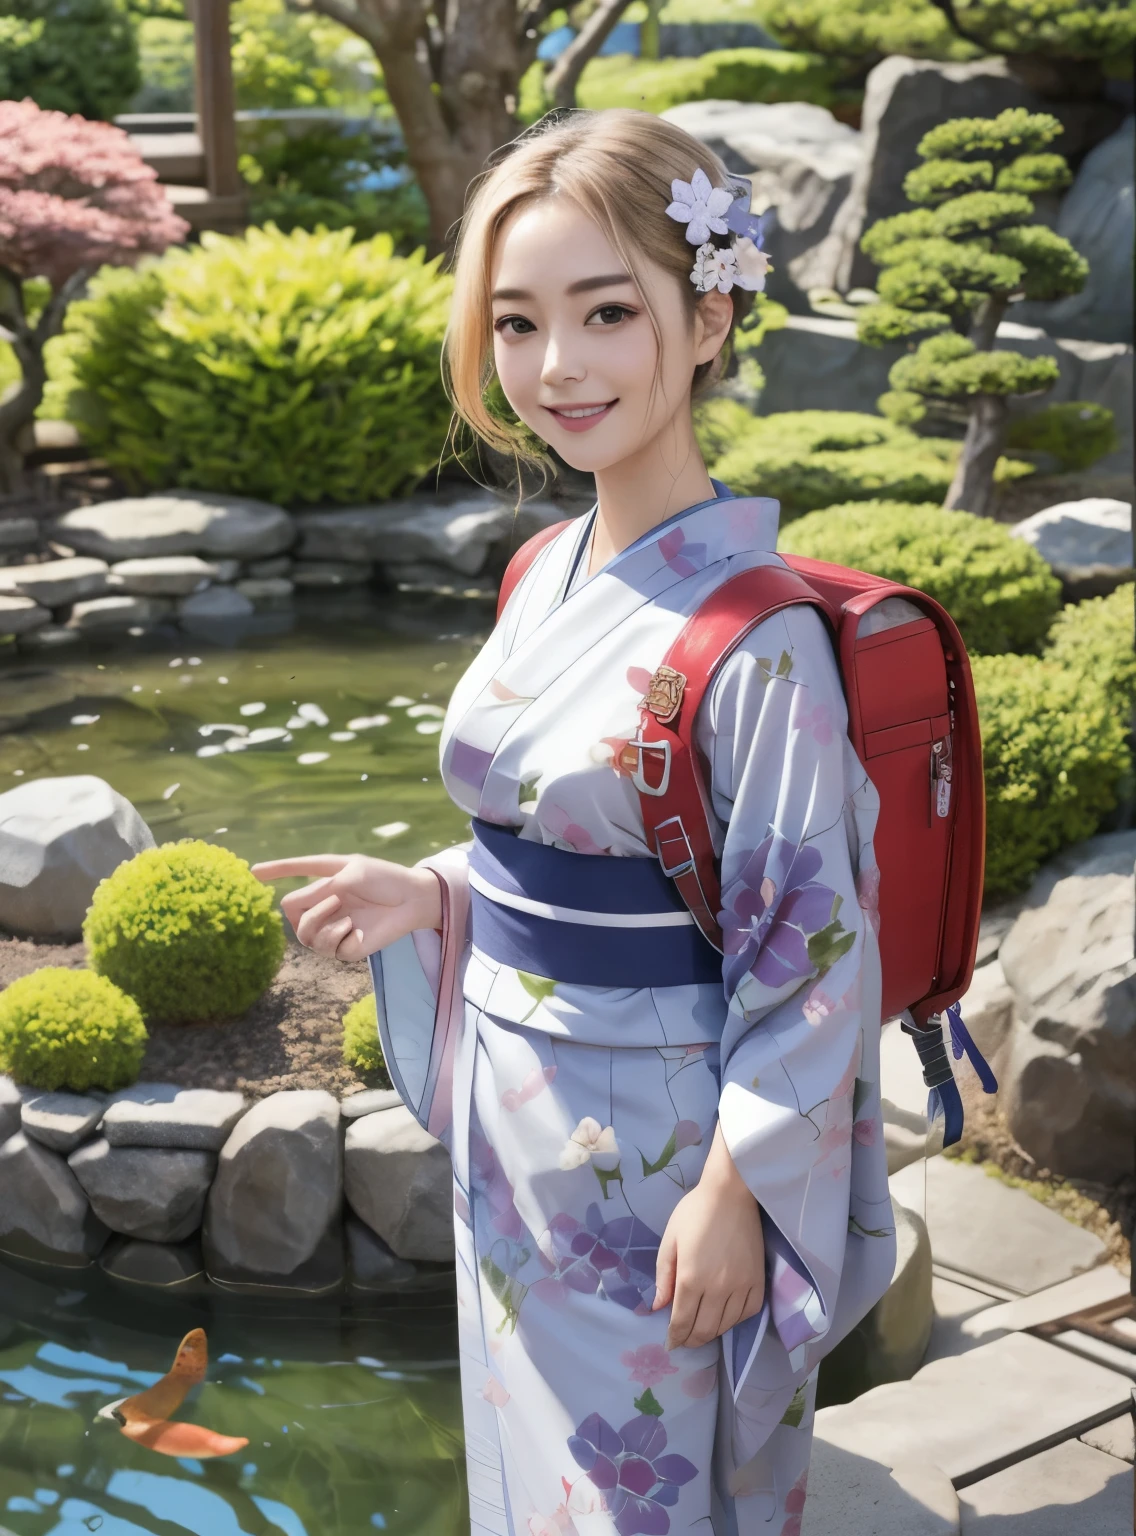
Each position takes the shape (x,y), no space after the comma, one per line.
(708,210)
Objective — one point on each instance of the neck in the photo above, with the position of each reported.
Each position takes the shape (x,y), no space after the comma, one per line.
(660,479)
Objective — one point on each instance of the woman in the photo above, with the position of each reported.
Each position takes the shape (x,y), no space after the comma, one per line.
(670,1185)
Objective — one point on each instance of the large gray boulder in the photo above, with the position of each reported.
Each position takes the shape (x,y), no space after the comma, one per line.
(54,583)
(278,1187)
(143,1191)
(177,523)
(1069,1088)
(801,161)
(398,1180)
(60,1120)
(164,1115)
(1087,543)
(58,838)
(44,1213)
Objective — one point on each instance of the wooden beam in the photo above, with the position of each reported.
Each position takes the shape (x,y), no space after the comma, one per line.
(215,101)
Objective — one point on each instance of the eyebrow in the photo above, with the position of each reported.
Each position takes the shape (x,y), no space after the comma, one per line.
(585,285)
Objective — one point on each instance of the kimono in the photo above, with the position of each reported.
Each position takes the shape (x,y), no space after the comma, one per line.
(577,1115)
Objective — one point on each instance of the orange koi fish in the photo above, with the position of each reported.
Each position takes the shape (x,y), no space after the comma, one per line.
(145,1418)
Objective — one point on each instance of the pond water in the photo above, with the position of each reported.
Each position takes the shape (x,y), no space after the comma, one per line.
(298,735)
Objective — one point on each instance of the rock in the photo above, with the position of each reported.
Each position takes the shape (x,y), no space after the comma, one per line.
(982,1227)
(48,637)
(144,1192)
(173,1267)
(60,1120)
(44,1214)
(18,533)
(454,530)
(890,1342)
(801,161)
(1070,1487)
(214,603)
(54,583)
(226,571)
(1088,544)
(329,573)
(421,576)
(162,575)
(1070,1083)
(118,612)
(322,1274)
(164,1115)
(369,1102)
(276,565)
(279,1185)
(267,591)
(58,838)
(997,920)
(11,1107)
(397,1179)
(853,1493)
(177,523)
(975,1412)
(373,1267)
(19,614)
(1116,1438)
(988,1013)
(1097,218)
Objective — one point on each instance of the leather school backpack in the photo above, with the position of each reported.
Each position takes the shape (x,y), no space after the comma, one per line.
(913,722)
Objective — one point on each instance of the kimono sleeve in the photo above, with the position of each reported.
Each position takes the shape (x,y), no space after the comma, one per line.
(799,1104)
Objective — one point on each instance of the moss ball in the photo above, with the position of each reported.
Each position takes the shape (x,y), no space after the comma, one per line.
(362,1048)
(68,1029)
(187,930)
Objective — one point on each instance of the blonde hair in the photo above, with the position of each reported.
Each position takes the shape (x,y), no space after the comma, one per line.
(617,166)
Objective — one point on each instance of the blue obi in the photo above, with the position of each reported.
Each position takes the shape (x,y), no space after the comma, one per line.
(582,918)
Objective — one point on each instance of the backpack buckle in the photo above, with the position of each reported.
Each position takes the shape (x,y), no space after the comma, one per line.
(659,749)
(672,834)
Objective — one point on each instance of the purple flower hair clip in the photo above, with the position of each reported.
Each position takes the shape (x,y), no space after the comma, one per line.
(708,210)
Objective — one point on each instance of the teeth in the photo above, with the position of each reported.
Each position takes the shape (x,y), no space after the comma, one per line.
(590,410)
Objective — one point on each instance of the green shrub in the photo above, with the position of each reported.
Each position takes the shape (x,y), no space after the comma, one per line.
(187,930)
(68,1029)
(1076,433)
(362,1048)
(727,74)
(1094,640)
(999,591)
(1054,754)
(68,55)
(296,368)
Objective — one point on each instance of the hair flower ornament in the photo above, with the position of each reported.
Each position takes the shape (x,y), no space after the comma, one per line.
(708,210)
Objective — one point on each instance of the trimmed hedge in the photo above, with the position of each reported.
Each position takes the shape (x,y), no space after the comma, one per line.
(1075,432)
(1094,640)
(999,591)
(362,1048)
(726,74)
(1054,754)
(65,1029)
(292,367)
(187,930)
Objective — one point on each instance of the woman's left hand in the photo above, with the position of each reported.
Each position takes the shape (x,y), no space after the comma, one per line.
(711,1263)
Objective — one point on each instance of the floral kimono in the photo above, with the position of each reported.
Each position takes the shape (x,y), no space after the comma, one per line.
(578,1114)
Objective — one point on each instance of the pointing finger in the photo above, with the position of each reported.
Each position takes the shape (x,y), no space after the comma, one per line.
(309,864)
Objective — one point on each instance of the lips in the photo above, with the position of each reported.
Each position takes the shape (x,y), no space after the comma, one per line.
(584,416)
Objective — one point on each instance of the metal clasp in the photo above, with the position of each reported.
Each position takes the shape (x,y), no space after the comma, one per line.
(663,749)
(678,835)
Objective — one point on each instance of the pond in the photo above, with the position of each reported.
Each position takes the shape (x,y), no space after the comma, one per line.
(303,734)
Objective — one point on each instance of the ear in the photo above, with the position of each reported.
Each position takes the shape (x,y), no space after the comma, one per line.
(712,319)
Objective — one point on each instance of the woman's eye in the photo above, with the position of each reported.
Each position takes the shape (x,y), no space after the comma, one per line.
(515,325)
(610,314)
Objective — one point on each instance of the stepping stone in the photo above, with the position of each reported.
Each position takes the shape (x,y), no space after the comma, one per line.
(981,1226)
(853,1494)
(176,523)
(164,1115)
(1071,1488)
(54,583)
(974,1414)
(955,1306)
(1116,1438)
(1087,1290)
(369,1102)
(61,1120)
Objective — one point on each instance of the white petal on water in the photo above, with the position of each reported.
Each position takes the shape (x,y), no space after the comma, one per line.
(195,661)
(216,830)
(364,722)
(434,710)
(428,727)
(177,662)
(210,751)
(313,713)
(341,736)
(222,679)
(136,687)
(81,747)
(84,719)
(221,725)
(265,733)
(170,789)
(236,744)
(400,701)
(313,757)
(252,709)
(297,723)
(391,829)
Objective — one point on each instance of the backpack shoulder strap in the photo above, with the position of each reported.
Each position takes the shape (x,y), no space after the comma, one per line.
(672,783)
(523,559)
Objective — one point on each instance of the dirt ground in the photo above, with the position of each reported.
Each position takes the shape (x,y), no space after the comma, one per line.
(290,1038)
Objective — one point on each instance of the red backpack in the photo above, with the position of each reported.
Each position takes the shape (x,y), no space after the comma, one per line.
(913,721)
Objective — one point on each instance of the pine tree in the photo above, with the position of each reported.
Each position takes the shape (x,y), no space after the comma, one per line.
(953,265)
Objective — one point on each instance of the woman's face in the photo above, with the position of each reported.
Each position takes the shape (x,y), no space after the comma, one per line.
(573,343)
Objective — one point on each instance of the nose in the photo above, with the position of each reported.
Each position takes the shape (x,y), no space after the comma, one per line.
(562,364)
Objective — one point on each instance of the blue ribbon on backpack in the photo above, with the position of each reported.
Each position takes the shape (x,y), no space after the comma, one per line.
(943,1093)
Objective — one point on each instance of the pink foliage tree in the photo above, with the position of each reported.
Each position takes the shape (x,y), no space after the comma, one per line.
(74,196)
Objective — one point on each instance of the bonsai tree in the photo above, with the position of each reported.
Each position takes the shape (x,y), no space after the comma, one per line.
(953,265)
(74,196)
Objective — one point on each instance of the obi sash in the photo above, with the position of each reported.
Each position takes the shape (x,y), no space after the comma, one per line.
(582,918)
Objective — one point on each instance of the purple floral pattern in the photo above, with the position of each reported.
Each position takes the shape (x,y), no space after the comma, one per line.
(614,1259)
(631,1468)
(774,909)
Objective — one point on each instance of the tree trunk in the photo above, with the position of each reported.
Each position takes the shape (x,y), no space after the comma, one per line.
(972,489)
(17,412)
(564,76)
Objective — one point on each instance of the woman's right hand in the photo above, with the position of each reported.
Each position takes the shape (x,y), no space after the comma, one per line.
(356,904)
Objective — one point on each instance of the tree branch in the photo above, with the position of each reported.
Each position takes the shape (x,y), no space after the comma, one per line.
(369,28)
(950,11)
(564,75)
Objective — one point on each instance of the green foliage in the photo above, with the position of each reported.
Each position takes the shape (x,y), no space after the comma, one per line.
(729,74)
(74,1030)
(1076,433)
(949,367)
(165,55)
(69,55)
(879,324)
(999,591)
(1013,132)
(362,1048)
(296,368)
(811,459)
(1033,174)
(187,930)
(1052,266)
(719,422)
(1096,641)
(940,179)
(1054,754)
